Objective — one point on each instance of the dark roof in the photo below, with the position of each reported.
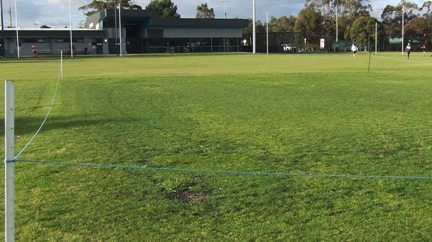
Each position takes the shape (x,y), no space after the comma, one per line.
(31,33)
(197,23)
(152,20)
(128,15)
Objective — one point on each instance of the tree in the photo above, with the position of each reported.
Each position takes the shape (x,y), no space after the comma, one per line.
(347,11)
(204,12)
(165,8)
(428,16)
(417,28)
(98,5)
(351,11)
(260,27)
(356,8)
(309,24)
(427,5)
(282,24)
(363,30)
(392,17)
(394,13)
(345,8)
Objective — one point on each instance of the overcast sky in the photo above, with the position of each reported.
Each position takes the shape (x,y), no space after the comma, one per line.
(33,13)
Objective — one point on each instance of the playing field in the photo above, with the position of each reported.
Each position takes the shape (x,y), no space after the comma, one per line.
(282,115)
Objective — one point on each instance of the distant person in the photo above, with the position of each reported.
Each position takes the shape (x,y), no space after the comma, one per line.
(424,49)
(408,49)
(354,50)
(34,50)
(244,42)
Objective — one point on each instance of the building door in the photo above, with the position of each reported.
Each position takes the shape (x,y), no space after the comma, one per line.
(133,41)
(99,46)
(133,46)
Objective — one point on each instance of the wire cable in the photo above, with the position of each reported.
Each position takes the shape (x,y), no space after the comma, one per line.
(44,120)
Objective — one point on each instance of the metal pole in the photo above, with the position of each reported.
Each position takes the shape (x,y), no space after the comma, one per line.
(267,32)
(225,7)
(238,46)
(337,25)
(10,13)
(370,55)
(376,38)
(16,27)
(9,161)
(403,27)
(115,28)
(120,30)
(70,30)
(61,64)
(3,52)
(254,27)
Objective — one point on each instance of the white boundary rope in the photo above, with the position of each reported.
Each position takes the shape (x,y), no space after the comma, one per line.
(60,77)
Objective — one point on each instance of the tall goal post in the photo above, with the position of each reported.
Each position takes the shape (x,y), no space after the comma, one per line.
(254,26)
(120,30)
(403,28)
(9,161)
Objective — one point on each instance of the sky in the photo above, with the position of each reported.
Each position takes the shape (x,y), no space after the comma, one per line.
(55,13)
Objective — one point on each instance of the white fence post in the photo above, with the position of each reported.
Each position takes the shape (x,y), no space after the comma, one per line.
(9,161)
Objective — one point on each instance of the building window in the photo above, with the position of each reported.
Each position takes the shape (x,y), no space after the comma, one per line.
(28,40)
(78,40)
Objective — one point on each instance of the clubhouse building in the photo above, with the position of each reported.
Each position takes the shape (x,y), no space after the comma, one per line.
(137,31)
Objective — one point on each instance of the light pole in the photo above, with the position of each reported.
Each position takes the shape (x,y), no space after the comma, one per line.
(16,28)
(3,52)
(403,27)
(70,31)
(120,29)
(337,25)
(254,27)
(10,13)
(115,28)
(225,7)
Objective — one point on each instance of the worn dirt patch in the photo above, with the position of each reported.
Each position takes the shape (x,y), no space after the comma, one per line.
(188,196)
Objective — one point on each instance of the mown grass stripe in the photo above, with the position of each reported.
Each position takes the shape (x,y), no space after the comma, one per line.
(230,172)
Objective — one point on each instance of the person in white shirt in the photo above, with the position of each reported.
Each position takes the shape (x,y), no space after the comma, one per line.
(408,49)
(354,50)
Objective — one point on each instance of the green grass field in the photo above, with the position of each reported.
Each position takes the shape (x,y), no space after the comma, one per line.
(300,114)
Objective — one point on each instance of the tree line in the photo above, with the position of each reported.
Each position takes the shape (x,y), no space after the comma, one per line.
(317,19)
(165,8)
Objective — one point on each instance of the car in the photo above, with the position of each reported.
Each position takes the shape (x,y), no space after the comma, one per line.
(288,48)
